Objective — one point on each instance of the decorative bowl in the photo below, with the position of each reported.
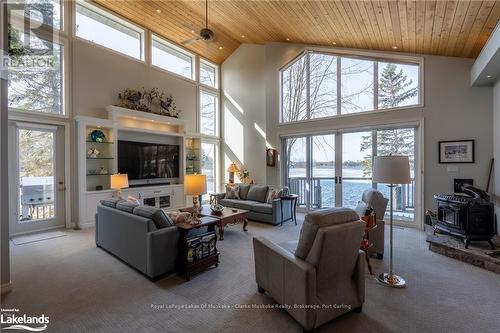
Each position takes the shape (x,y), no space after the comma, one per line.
(97,136)
(217,208)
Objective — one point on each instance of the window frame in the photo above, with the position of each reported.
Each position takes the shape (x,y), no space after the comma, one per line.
(57,37)
(216,94)
(113,17)
(177,48)
(216,142)
(216,71)
(376,57)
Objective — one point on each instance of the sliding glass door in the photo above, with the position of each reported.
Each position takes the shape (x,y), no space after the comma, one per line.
(356,167)
(334,169)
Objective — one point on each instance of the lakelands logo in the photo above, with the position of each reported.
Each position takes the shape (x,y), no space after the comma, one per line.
(11,319)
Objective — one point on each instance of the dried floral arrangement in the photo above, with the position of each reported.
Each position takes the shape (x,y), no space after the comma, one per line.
(153,101)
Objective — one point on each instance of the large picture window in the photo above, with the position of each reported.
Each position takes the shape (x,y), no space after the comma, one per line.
(35,75)
(100,27)
(318,85)
(208,74)
(172,58)
(209,110)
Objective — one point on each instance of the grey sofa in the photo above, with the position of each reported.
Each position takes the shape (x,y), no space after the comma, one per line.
(323,273)
(253,198)
(375,199)
(137,241)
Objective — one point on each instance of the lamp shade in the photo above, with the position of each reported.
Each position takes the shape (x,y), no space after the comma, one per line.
(119,181)
(391,169)
(195,184)
(233,168)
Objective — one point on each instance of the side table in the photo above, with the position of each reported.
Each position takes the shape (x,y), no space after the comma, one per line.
(198,266)
(365,245)
(293,198)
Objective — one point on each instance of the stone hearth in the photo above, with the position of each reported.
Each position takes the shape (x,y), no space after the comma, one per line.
(478,254)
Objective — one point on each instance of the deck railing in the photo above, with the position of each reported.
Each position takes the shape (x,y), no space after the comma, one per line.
(322,192)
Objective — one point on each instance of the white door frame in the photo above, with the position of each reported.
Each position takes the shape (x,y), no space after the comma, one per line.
(41,122)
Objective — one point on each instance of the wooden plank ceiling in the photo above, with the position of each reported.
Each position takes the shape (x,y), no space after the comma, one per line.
(451,28)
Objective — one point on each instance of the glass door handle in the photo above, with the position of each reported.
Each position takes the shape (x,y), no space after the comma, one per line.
(340,179)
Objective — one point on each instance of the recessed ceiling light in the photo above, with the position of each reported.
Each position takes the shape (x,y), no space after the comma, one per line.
(288,39)
(158,11)
(333,43)
(394,47)
(220,47)
(152,121)
(192,31)
(489,76)
(243,36)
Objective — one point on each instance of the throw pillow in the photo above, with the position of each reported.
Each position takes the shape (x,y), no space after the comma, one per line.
(233,193)
(258,193)
(160,219)
(361,209)
(244,190)
(126,206)
(273,194)
(111,202)
(180,217)
(133,200)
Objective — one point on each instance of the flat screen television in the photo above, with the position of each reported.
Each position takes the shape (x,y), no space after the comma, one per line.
(141,160)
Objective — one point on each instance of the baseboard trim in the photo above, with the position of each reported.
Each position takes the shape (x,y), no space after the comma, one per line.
(86,225)
(6,288)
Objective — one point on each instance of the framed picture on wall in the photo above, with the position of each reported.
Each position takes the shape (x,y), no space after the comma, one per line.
(271,156)
(460,151)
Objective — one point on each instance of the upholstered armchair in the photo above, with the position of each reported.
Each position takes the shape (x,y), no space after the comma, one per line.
(320,276)
(375,199)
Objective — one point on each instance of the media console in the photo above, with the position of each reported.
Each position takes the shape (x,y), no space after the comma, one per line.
(94,170)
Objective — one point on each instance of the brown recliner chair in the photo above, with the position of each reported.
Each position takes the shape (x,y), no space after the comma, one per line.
(322,275)
(375,199)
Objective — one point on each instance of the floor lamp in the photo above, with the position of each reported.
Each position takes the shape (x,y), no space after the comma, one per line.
(391,170)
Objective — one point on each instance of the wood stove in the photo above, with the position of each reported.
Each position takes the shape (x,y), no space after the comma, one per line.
(469,216)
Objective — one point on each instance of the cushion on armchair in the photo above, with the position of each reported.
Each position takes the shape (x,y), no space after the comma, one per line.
(375,199)
(318,219)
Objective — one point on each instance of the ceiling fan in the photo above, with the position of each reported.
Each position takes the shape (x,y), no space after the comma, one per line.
(205,34)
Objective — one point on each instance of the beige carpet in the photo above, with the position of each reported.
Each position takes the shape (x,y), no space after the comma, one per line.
(83,289)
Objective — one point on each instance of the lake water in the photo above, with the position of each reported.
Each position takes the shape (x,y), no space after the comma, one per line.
(352,190)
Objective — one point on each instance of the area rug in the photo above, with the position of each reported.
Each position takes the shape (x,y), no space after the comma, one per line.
(26,239)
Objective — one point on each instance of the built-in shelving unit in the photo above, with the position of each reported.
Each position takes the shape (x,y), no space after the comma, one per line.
(193,155)
(95,171)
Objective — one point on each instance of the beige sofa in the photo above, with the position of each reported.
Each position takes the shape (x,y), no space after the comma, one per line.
(320,276)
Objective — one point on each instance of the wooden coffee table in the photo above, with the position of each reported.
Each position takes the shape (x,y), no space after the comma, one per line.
(228,216)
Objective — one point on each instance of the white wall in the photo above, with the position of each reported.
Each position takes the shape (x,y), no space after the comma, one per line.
(453,110)
(243,111)
(496,150)
(100,74)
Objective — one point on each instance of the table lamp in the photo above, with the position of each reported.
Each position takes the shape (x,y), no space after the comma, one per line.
(391,170)
(232,169)
(118,182)
(195,185)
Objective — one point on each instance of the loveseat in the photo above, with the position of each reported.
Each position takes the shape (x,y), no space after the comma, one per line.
(257,200)
(133,234)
